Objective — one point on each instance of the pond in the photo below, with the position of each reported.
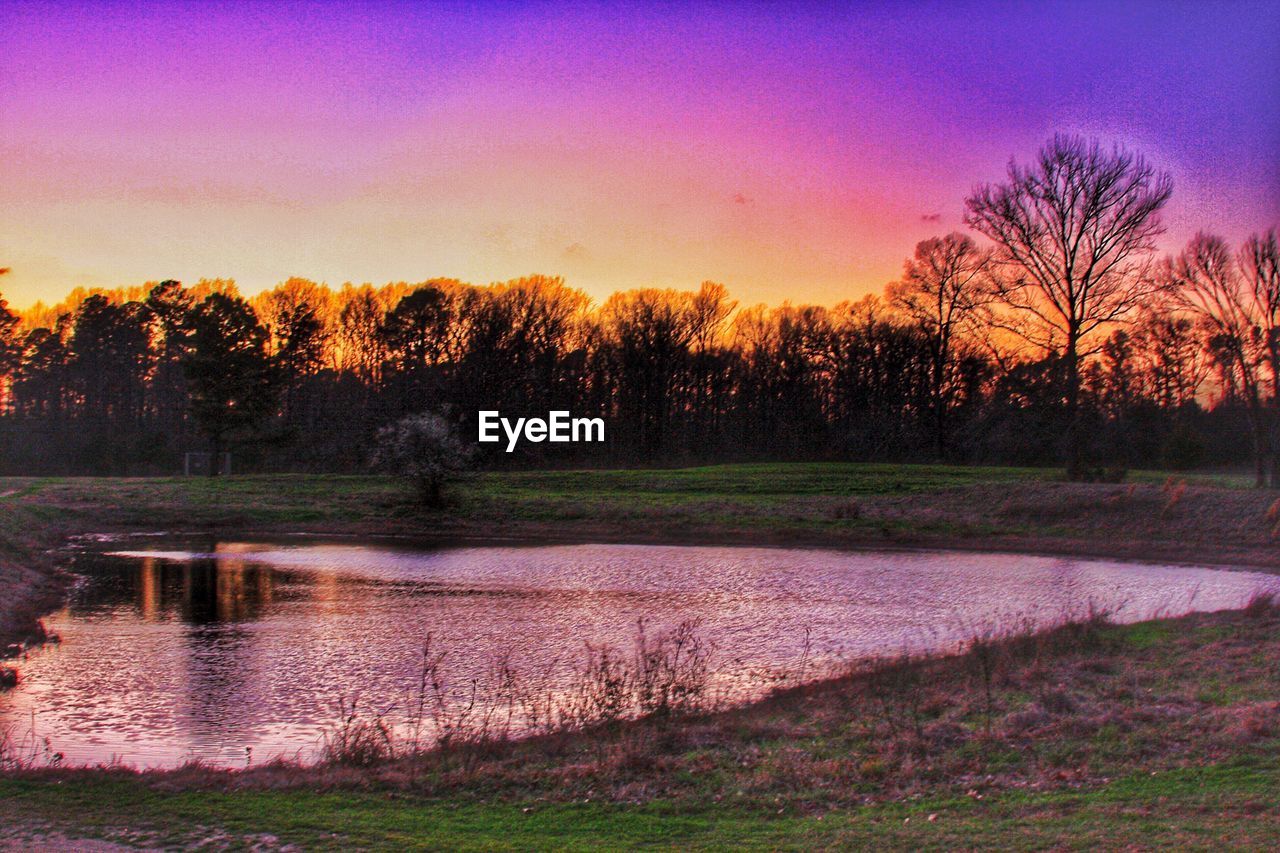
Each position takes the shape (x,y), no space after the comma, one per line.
(235,652)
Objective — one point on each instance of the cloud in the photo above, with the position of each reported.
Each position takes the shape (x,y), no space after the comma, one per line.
(931,217)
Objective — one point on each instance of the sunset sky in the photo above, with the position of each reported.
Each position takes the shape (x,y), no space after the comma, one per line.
(790,151)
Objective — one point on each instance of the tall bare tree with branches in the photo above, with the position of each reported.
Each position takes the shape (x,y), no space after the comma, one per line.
(1237,296)
(943,289)
(1074,233)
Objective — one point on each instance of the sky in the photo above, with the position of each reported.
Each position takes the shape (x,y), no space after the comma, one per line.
(791,151)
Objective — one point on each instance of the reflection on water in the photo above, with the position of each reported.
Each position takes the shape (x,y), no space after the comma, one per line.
(240,650)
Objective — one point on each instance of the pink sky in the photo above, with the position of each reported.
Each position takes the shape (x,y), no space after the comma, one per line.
(791,152)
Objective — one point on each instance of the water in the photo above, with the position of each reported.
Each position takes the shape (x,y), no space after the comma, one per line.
(240,651)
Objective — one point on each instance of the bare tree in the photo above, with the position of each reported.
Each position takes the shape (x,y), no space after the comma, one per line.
(647,334)
(942,289)
(1172,354)
(1260,265)
(1074,232)
(1238,299)
(709,308)
(359,345)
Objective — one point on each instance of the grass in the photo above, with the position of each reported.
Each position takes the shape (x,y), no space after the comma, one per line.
(1164,733)
(1100,738)
(830,504)
(759,480)
(1224,805)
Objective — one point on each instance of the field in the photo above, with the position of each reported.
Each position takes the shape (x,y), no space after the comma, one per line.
(1158,734)
(1185,809)
(1155,515)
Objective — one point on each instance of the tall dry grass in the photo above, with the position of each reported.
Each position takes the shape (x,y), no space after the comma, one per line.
(663,676)
(23,749)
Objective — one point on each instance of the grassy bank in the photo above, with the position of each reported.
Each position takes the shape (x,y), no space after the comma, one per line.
(1197,808)
(1156,515)
(1162,733)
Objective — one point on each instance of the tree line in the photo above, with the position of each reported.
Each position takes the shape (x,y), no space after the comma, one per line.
(1052,334)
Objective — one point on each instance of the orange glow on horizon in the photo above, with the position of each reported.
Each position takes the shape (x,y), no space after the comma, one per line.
(793,153)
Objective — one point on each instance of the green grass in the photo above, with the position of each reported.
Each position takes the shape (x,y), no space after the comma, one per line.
(794,495)
(775,485)
(773,479)
(821,504)
(1232,803)
(787,777)
(1146,635)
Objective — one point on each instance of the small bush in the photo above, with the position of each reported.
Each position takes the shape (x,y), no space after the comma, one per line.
(425,450)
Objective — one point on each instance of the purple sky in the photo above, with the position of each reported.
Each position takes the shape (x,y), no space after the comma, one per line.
(791,151)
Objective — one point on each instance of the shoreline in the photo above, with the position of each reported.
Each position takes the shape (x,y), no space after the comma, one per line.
(862,759)
(1252,560)
(863,671)
(1112,715)
(1005,511)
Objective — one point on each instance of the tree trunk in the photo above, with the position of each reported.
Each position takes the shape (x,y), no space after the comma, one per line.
(1259,465)
(939,404)
(1257,430)
(1273,444)
(1074,434)
(1273,413)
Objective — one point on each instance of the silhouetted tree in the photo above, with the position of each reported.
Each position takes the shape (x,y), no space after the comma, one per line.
(299,336)
(110,352)
(936,365)
(1073,234)
(231,378)
(943,288)
(881,380)
(1238,297)
(360,344)
(10,346)
(416,331)
(1173,356)
(709,312)
(645,338)
(520,338)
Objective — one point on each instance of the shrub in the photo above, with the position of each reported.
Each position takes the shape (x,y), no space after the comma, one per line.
(425,450)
